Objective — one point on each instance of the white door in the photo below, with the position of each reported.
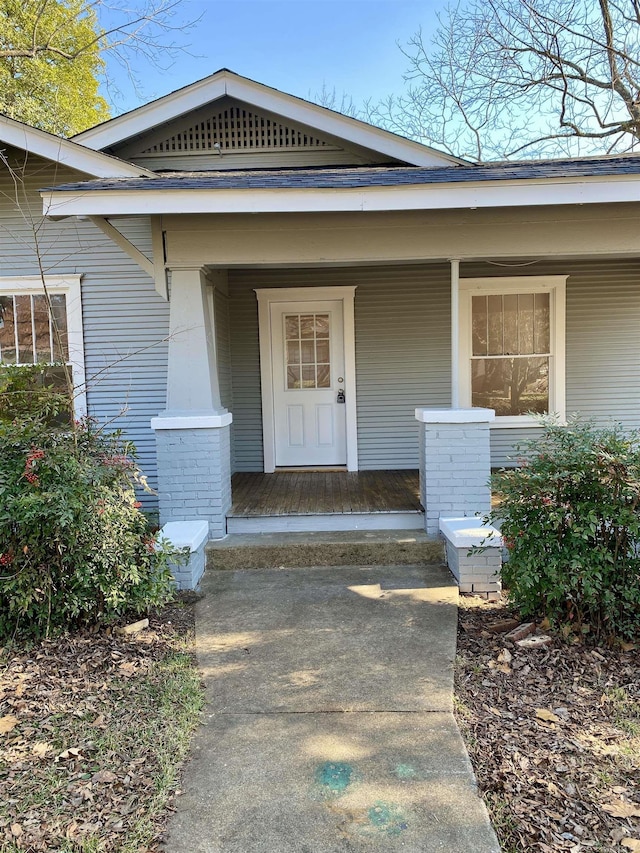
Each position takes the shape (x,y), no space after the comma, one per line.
(308,370)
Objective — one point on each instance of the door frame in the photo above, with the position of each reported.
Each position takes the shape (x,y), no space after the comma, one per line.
(266,298)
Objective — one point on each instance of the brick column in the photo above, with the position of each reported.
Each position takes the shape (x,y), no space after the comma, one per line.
(193,438)
(194,469)
(455,463)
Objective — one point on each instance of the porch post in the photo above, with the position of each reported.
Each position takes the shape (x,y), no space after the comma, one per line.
(455,464)
(455,333)
(193,433)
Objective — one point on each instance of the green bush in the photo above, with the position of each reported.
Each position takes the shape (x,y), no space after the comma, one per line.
(74,546)
(570,518)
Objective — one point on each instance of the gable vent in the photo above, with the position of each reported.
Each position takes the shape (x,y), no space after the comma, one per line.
(235,128)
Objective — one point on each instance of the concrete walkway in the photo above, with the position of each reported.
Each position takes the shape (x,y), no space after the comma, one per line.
(328,725)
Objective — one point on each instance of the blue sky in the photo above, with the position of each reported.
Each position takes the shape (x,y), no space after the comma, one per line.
(293,45)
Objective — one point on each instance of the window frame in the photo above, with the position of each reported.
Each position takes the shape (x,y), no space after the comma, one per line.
(555,286)
(69,285)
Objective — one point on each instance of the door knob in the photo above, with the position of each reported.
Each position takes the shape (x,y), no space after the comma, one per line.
(340,398)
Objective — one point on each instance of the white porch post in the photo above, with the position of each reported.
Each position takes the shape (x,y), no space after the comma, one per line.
(193,433)
(455,332)
(192,380)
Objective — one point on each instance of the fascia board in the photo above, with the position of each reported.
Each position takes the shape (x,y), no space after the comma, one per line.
(144,118)
(600,190)
(193,97)
(344,127)
(65,152)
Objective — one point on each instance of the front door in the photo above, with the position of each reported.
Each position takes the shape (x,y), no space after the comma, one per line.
(308,370)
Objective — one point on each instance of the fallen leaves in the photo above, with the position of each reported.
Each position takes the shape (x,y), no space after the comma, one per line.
(622,809)
(82,742)
(553,732)
(8,723)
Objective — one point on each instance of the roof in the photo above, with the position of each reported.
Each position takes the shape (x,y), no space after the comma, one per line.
(372,176)
(223,83)
(65,152)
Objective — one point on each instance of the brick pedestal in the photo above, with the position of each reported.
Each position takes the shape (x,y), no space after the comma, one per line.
(455,463)
(194,469)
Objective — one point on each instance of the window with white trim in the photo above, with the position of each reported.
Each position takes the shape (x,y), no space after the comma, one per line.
(31,334)
(512,341)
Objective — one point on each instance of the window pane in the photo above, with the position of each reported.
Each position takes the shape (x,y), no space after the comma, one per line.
(309,376)
(59,318)
(322,325)
(494,309)
(25,334)
(511,386)
(7,331)
(542,338)
(322,351)
(308,352)
(293,377)
(43,329)
(292,326)
(324,376)
(293,352)
(525,323)
(307,326)
(479,324)
(511,324)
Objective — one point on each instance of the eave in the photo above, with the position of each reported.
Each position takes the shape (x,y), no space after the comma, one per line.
(441,196)
(65,152)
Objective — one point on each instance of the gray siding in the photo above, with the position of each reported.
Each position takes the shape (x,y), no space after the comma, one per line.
(402,355)
(125,321)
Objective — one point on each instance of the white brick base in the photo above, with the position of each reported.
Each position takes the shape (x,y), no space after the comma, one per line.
(476,571)
(190,537)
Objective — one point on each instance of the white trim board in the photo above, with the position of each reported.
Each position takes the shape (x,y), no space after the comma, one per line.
(65,152)
(225,82)
(266,298)
(555,285)
(524,193)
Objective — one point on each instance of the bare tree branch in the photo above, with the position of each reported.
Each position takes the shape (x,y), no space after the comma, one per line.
(500,77)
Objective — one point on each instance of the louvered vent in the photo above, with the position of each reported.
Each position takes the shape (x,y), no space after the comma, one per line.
(235,128)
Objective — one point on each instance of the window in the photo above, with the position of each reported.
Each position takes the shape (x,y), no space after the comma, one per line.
(512,346)
(27,328)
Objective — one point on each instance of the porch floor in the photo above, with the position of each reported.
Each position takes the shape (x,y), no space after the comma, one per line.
(324,493)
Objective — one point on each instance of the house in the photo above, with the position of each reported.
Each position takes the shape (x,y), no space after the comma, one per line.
(268,285)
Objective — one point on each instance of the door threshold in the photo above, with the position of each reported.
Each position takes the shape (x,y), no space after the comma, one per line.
(310,469)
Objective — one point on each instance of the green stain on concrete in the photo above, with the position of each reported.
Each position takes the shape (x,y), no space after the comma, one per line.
(387,818)
(334,777)
(405,771)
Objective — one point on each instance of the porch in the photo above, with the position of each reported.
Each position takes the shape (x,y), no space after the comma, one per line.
(325,500)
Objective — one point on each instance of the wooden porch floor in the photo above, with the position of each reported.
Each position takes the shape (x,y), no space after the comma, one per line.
(324,493)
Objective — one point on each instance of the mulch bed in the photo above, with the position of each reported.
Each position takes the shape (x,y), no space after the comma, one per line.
(87,735)
(553,734)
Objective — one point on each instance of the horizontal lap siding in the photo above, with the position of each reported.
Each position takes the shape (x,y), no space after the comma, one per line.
(402,355)
(125,321)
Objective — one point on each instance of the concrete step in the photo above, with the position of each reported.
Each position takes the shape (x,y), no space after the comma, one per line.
(334,548)
(329,522)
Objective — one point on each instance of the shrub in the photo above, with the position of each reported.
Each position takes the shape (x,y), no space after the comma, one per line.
(74,546)
(570,518)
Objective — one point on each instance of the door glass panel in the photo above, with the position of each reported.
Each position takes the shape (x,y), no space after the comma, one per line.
(324,376)
(307,351)
(307,325)
(292,326)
